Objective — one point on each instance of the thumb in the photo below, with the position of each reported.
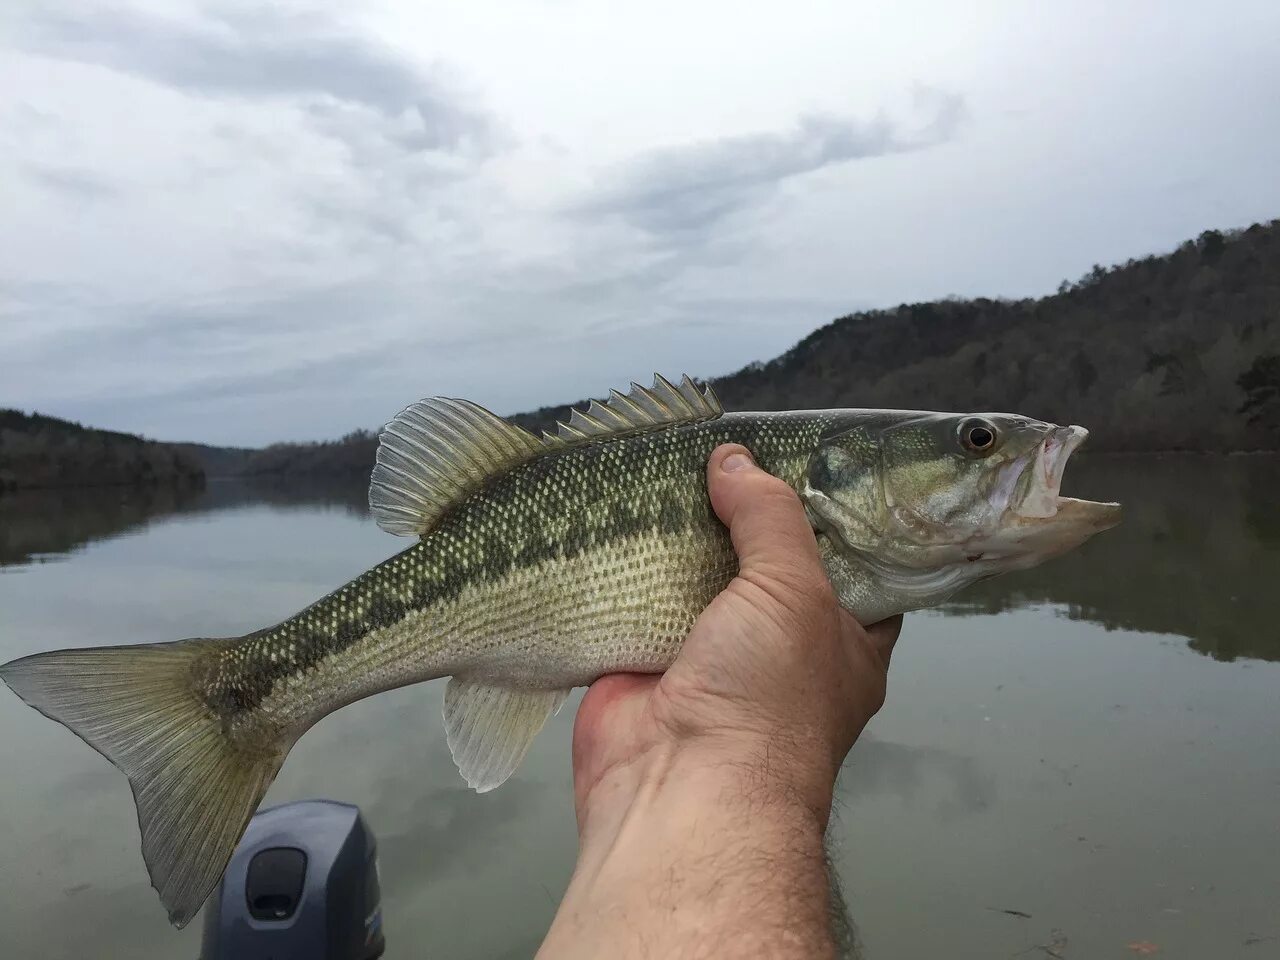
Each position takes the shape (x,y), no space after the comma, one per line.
(766,521)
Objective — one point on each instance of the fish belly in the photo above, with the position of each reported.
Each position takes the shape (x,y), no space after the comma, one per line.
(624,605)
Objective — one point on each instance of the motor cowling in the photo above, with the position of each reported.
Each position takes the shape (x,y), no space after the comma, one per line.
(302,885)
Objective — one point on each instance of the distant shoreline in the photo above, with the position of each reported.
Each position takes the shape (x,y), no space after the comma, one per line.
(191,484)
(186,482)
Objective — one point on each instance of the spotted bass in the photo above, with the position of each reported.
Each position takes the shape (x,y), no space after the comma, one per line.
(542,563)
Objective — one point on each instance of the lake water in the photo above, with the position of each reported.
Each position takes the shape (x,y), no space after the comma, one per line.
(1094,744)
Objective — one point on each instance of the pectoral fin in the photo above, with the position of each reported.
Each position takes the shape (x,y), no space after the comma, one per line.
(489,729)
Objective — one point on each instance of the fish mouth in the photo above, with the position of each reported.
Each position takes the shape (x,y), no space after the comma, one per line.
(1042,481)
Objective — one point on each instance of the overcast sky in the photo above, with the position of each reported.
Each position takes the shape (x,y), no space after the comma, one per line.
(241,222)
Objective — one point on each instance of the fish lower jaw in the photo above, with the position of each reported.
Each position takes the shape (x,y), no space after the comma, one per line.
(1068,517)
(1099,514)
(1024,541)
(1036,508)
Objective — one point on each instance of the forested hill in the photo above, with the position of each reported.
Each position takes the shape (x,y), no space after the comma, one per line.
(40,451)
(1173,352)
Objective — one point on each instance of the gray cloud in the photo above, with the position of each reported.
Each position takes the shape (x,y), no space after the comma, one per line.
(351,154)
(73,182)
(217,349)
(678,192)
(310,228)
(261,52)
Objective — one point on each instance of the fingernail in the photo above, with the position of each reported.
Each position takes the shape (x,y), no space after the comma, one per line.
(735,461)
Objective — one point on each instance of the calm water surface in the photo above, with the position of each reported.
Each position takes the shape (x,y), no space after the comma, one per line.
(1095,743)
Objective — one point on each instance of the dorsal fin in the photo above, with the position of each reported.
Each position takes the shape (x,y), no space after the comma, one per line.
(437,452)
(644,408)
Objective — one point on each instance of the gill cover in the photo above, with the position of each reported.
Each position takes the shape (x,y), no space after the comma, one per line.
(867,541)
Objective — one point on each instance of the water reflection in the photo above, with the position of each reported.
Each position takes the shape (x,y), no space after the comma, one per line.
(956,783)
(39,525)
(1198,553)
(34,524)
(1000,774)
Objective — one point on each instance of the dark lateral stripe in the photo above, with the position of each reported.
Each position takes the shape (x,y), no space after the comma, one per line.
(550,508)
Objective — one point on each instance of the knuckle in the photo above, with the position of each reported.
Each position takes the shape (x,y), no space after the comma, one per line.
(812,591)
(789,598)
(773,577)
(776,492)
(763,593)
(778,508)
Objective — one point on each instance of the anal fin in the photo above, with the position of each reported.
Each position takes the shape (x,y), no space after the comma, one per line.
(489,728)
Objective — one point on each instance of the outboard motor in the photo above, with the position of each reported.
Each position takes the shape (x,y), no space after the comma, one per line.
(302,885)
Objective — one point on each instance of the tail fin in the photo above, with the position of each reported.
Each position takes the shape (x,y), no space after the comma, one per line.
(137,706)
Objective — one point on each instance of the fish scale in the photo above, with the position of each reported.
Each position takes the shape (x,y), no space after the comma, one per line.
(543,563)
(542,515)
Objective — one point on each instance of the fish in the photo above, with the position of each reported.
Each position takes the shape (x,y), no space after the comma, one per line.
(541,563)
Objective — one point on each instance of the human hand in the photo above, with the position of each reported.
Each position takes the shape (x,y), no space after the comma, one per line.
(774,672)
(735,749)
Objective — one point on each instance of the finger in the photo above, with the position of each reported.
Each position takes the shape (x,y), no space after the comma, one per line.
(766,521)
(884,635)
(607,717)
(611,705)
(604,731)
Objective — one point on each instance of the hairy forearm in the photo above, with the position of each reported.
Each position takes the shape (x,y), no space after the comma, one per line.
(689,855)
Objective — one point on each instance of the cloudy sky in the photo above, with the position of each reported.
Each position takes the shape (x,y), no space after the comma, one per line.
(239,222)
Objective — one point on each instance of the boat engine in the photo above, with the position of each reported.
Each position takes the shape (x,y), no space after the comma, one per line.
(302,885)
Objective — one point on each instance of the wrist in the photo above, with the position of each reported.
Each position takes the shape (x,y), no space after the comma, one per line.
(751,772)
(709,842)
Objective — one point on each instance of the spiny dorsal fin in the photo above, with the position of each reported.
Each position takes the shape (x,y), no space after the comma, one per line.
(663,404)
(436,453)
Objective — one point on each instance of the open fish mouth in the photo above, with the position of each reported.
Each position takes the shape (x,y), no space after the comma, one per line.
(1044,474)
(1042,478)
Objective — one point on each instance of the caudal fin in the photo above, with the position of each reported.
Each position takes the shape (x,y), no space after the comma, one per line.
(137,706)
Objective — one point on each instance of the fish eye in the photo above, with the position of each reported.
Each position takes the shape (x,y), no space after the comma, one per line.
(978,436)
